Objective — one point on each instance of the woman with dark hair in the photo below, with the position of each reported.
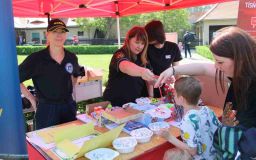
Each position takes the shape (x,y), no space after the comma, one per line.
(161,53)
(234,52)
(127,69)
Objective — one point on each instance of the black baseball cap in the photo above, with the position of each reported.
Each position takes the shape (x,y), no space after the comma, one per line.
(55,24)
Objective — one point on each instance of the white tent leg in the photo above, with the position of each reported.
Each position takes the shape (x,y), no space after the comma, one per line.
(118,32)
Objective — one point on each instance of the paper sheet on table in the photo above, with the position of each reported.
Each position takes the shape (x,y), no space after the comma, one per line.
(69,148)
(71,132)
(48,133)
(75,132)
(103,140)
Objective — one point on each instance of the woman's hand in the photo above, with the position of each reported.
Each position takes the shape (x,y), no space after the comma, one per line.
(164,76)
(147,75)
(229,116)
(170,80)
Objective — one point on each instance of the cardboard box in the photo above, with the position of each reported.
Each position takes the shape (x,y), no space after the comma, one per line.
(90,107)
(95,74)
(91,75)
(87,90)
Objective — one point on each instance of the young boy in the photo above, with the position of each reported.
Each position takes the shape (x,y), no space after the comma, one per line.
(197,125)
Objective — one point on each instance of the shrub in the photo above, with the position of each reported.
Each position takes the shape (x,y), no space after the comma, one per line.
(26,50)
(204,51)
(79,49)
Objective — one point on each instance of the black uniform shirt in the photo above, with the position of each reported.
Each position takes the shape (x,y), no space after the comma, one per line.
(162,58)
(122,88)
(246,117)
(51,79)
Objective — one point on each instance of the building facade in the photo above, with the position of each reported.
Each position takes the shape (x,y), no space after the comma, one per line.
(219,16)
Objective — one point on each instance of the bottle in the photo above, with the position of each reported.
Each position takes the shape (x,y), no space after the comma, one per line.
(98,110)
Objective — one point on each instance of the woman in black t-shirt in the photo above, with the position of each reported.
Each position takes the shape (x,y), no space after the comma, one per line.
(234,52)
(127,69)
(161,53)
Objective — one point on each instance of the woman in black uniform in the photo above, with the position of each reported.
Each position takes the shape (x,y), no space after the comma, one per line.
(127,69)
(53,71)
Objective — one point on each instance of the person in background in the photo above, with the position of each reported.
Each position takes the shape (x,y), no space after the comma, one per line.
(234,52)
(20,40)
(161,53)
(53,71)
(198,123)
(187,42)
(75,40)
(127,69)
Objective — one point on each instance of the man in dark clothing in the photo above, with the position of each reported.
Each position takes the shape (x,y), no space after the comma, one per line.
(161,53)
(187,38)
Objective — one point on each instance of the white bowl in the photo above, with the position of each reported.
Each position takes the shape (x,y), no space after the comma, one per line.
(157,126)
(102,154)
(142,135)
(124,144)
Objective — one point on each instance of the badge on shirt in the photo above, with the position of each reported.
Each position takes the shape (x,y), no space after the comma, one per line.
(69,68)
(119,55)
(168,56)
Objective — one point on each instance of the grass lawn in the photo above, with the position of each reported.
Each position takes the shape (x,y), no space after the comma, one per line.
(100,61)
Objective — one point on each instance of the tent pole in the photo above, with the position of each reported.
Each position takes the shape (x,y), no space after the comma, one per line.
(118,32)
(12,134)
(48,17)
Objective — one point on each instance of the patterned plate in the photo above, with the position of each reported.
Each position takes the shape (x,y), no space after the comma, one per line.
(160,112)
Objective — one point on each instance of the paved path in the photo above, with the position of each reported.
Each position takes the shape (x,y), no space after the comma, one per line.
(195,58)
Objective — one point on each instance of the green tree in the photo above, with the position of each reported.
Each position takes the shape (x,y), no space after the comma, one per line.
(176,21)
(86,24)
(109,23)
(173,20)
(91,24)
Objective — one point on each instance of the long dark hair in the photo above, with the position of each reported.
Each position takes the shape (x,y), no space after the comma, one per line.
(140,34)
(236,44)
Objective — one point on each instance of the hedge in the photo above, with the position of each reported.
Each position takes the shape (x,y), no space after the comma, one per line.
(79,49)
(204,51)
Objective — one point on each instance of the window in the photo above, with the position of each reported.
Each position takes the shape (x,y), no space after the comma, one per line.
(36,37)
(80,33)
(44,35)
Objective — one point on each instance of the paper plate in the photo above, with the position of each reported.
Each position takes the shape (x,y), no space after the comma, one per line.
(160,112)
(143,101)
(101,154)
(157,126)
(143,107)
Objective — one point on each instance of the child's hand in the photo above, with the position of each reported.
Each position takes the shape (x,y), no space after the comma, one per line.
(164,133)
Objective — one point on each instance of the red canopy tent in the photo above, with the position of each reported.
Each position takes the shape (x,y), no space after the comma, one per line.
(12,135)
(99,8)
